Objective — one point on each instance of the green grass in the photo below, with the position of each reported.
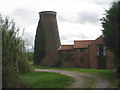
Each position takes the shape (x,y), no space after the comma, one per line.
(39,67)
(77,69)
(106,74)
(45,80)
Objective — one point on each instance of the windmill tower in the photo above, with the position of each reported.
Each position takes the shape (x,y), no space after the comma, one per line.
(48,24)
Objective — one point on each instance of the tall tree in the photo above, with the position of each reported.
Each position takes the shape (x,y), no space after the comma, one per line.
(111,33)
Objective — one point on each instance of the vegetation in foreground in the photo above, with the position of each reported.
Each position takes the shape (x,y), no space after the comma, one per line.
(14,59)
(107,74)
(45,80)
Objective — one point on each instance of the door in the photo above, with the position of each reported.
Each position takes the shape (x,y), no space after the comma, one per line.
(101,62)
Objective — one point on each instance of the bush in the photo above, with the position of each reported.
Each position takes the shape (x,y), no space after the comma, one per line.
(24,66)
(58,63)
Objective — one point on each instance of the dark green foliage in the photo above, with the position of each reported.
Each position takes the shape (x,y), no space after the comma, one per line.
(111,32)
(58,63)
(12,52)
(9,62)
(30,56)
(24,66)
(39,49)
(111,27)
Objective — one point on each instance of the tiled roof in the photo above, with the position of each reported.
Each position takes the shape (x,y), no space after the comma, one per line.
(78,44)
(66,47)
(82,43)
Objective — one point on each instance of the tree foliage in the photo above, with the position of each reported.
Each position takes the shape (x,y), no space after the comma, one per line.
(111,32)
(13,49)
(39,49)
(24,66)
(111,26)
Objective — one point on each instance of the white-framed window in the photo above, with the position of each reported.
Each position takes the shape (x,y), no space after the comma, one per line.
(101,50)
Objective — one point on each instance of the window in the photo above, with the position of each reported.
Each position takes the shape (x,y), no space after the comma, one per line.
(100,50)
(81,60)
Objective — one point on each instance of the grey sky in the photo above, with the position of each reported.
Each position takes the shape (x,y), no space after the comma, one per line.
(77,19)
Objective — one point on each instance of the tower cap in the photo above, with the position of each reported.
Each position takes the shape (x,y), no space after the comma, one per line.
(47,12)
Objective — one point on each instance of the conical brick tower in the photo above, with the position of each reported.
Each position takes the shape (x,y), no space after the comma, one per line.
(48,24)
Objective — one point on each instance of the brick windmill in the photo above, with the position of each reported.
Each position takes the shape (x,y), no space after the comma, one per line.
(47,39)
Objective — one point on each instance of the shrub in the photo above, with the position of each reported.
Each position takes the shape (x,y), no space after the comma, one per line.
(24,66)
(13,49)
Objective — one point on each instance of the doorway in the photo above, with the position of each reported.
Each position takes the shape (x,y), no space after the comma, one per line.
(101,62)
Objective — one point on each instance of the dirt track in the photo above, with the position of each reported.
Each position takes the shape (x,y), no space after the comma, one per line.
(80,79)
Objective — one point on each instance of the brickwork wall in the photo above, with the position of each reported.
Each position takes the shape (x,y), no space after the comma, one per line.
(52,40)
(68,64)
(93,55)
(84,55)
(67,58)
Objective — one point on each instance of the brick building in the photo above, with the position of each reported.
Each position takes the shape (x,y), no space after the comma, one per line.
(86,54)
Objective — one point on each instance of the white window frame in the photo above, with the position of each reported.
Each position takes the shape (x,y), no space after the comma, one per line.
(98,51)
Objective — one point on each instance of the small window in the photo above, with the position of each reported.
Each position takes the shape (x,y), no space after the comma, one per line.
(81,60)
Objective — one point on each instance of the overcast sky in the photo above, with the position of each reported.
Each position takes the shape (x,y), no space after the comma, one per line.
(77,19)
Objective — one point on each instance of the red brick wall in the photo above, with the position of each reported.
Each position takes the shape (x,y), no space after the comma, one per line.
(66,60)
(67,64)
(82,54)
(93,54)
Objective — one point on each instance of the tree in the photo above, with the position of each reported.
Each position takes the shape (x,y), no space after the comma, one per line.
(9,46)
(13,49)
(111,32)
(39,49)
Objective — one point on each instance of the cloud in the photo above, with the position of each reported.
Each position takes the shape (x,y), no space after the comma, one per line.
(24,16)
(87,12)
(64,37)
(67,39)
(70,32)
(88,17)
(29,34)
(28,19)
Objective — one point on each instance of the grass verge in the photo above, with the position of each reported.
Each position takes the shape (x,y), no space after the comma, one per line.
(45,80)
(106,74)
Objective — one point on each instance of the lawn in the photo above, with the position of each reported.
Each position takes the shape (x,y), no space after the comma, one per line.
(106,74)
(45,80)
